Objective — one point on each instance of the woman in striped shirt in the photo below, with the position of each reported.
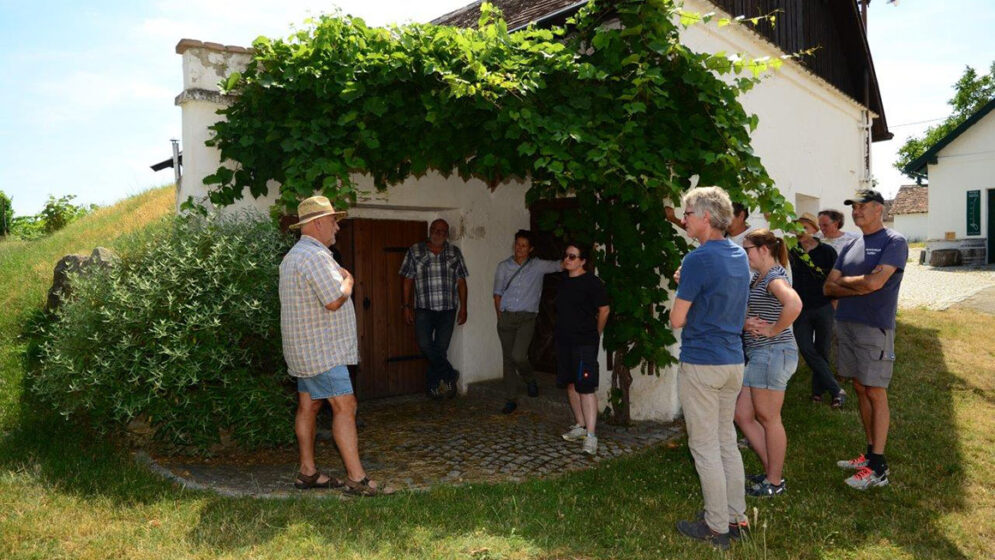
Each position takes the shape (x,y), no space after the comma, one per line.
(771,358)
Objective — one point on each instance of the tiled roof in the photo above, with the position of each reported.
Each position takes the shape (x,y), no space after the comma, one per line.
(911,199)
(517,13)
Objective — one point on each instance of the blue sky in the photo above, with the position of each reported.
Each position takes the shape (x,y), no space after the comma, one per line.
(88,87)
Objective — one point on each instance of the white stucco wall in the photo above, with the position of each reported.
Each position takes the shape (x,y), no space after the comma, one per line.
(966,164)
(809,138)
(912,226)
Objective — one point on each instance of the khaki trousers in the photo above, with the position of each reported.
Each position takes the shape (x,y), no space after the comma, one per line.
(708,397)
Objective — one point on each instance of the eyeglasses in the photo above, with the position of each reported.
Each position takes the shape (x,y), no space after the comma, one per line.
(569,257)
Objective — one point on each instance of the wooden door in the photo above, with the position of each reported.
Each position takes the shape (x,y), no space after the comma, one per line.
(542,351)
(389,360)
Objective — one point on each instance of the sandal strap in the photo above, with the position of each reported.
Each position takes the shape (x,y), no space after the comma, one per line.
(309,478)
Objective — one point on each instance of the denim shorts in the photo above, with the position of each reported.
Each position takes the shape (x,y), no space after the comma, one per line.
(771,366)
(332,383)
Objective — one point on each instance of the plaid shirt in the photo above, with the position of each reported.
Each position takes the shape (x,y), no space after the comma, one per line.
(434,275)
(314,339)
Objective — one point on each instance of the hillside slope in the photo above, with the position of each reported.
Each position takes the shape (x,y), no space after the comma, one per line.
(26,271)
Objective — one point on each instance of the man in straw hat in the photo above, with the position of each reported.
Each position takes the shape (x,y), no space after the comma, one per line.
(318,324)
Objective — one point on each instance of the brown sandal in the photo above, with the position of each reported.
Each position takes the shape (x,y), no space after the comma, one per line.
(309,481)
(363,488)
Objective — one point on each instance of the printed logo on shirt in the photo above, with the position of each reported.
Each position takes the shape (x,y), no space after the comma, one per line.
(872,250)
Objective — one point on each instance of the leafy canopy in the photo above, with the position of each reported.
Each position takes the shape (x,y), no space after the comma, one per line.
(619,116)
(971,92)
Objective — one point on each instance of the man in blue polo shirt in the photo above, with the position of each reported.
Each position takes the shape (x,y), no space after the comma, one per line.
(866,279)
(714,282)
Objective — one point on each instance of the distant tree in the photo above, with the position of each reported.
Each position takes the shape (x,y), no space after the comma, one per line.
(60,212)
(6,214)
(970,93)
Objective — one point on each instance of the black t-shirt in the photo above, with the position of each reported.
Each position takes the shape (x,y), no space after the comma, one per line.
(808,281)
(577,303)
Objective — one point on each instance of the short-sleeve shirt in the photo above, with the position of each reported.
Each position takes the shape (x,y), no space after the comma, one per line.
(766,306)
(878,308)
(577,301)
(715,278)
(810,277)
(840,242)
(521,285)
(435,276)
(315,339)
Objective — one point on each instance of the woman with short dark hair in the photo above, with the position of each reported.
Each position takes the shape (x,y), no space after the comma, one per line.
(581,314)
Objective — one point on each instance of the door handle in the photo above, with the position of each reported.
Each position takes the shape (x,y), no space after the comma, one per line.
(366,304)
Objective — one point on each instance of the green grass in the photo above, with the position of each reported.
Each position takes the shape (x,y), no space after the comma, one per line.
(64,494)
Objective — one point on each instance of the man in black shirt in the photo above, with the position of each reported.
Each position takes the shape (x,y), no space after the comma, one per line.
(814,327)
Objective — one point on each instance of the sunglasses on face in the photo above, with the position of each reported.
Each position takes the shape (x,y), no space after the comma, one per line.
(569,257)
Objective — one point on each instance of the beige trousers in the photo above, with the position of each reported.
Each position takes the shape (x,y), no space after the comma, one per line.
(708,397)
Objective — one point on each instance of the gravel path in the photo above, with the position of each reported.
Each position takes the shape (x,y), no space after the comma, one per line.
(939,288)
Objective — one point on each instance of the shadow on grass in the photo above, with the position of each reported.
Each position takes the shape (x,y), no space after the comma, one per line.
(623,508)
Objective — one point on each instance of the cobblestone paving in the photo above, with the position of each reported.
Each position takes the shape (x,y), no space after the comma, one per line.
(939,288)
(414,443)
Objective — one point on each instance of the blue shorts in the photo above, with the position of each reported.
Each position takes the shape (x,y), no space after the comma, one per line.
(770,367)
(332,383)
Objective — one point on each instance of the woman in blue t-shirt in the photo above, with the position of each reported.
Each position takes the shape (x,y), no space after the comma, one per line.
(771,358)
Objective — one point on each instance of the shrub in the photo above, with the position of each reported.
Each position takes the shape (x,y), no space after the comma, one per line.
(60,212)
(183,334)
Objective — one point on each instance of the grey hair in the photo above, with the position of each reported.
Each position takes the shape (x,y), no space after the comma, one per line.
(713,200)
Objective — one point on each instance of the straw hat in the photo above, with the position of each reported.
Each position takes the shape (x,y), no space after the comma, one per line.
(314,208)
(810,218)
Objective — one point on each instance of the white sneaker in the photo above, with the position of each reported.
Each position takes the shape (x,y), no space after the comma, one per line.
(591,445)
(575,433)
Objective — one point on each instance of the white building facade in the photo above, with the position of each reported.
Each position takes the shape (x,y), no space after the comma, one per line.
(812,138)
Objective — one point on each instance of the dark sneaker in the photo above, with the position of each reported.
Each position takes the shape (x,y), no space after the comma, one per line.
(737,531)
(857,462)
(509,407)
(532,389)
(752,479)
(699,530)
(866,478)
(435,394)
(766,489)
(452,386)
(839,400)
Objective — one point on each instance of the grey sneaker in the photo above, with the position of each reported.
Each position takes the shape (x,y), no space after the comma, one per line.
(856,463)
(575,433)
(867,478)
(591,445)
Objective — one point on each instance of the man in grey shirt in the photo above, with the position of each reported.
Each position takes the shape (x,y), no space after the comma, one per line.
(517,287)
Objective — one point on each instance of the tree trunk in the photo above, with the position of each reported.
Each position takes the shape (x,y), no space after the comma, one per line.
(621,383)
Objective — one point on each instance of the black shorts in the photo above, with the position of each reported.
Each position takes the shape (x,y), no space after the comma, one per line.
(577,365)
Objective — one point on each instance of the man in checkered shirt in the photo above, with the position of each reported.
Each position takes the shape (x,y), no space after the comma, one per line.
(434,272)
(318,325)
